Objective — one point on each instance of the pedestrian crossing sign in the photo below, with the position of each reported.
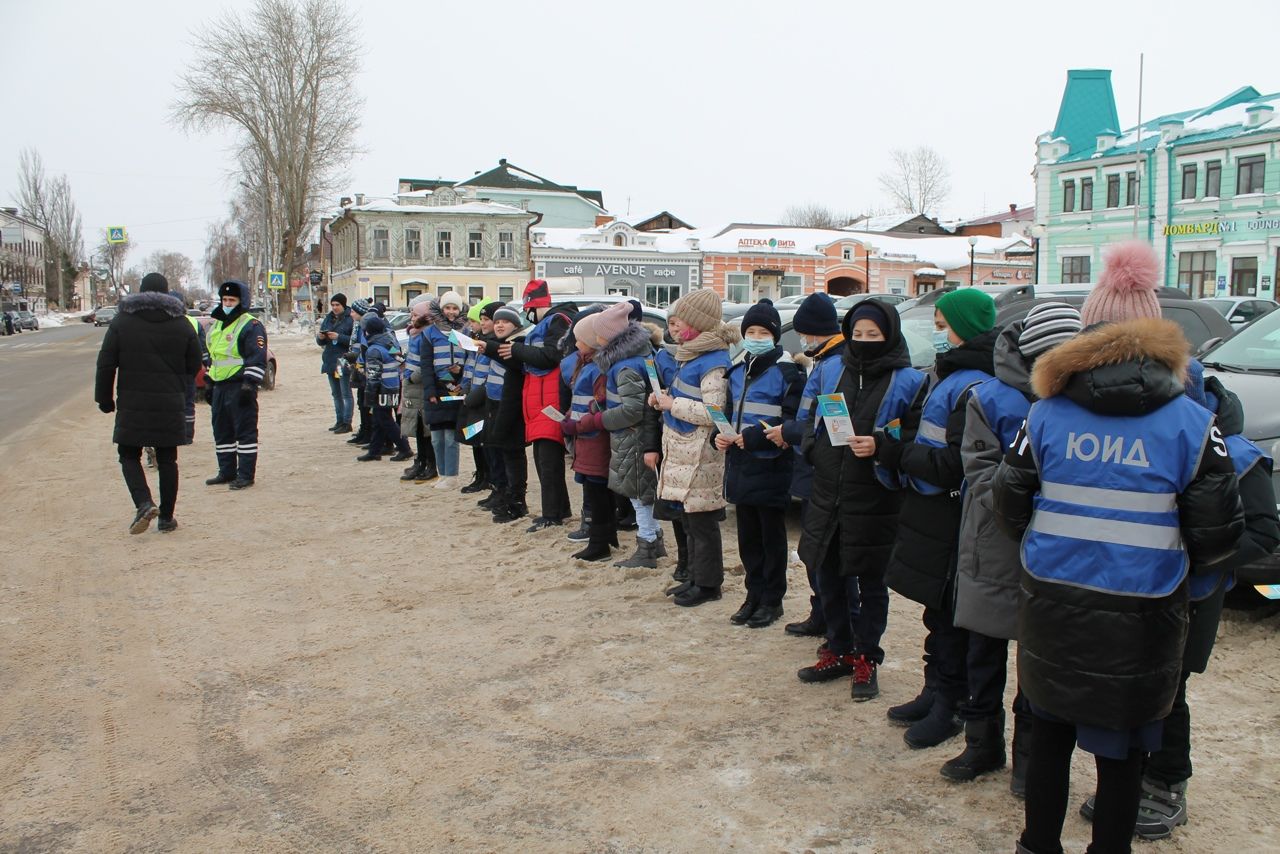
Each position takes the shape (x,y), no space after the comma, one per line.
(275,280)
(115,234)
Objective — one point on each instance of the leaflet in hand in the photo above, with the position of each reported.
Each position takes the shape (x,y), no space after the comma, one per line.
(652,370)
(554,414)
(835,412)
(1271,591)
(472,430)
(721,421)
(466,342)
(453,398)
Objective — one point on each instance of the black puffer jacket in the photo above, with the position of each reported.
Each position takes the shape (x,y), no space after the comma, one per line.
(504,419)
(1095,656)
(924,556)
(847,501)
(153,348)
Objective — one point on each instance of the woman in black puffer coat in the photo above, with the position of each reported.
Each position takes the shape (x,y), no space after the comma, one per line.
(146,370)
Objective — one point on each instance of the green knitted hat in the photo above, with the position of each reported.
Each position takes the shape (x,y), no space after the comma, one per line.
(968,311)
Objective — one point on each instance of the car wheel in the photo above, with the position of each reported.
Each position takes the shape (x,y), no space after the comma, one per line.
(269,380)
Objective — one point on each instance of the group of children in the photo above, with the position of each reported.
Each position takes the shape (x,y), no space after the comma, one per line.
(1070,482)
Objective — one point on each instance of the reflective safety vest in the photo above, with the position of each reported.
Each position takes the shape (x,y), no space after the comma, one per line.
(195,324)
(479,371)
(390,379)
(1244,456)
(443,352)
(1106,517)
(584,400)
(536,336)
(494,380)
(756,400)
(938,407)
(904,385)
(666,365)
(687,384)
(225,361)
(413,357)
(567,364)
(612,398)
(1004,407)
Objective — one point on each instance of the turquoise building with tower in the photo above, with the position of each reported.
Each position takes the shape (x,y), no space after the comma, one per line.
(1202,186)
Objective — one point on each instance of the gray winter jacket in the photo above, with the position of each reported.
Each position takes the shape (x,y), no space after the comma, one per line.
(628,421)
(990,563)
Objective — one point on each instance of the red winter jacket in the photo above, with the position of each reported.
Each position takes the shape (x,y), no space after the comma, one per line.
(543,391)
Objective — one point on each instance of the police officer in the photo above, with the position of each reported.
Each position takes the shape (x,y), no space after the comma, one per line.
(236,354)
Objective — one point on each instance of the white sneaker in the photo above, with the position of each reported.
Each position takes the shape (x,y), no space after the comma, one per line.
(445,483)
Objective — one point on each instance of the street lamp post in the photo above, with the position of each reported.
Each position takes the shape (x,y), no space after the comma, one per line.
(973,242)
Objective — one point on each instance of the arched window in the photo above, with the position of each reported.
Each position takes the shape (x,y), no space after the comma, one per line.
(619,239)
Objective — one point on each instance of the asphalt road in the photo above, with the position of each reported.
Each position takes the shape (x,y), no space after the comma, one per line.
(43,370)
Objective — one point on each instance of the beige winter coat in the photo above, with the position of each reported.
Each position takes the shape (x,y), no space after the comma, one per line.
(692,469)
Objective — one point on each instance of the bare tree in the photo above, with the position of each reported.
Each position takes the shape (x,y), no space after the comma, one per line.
(918,180)
(111,257)
(815,215)
(48,203)
(284,77)
(174,266)
(224,254)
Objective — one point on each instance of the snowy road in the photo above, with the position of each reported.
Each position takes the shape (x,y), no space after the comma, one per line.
(40,371)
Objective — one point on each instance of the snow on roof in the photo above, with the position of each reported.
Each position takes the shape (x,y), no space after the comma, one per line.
(930,271)
(883,222)
(939,251)
(465,208)
(676,240)
(416,194)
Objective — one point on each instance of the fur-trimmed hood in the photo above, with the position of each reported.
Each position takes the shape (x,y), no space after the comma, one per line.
(655,334)
(166,305)
(632,341)
(1128,368)
(435,316)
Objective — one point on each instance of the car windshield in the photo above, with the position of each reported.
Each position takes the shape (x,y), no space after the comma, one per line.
(1221,306)
(1256,347)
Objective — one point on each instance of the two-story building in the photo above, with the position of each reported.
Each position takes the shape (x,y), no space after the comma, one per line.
(658,267)
(558,205)
(1201,185)
(22,274)
(429,241)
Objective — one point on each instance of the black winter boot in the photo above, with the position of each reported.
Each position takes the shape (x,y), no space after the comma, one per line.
(1022,723)
(428,472)
(912,710)
(810,627)
(645,555)
(478,483)
(983,750)
(490,501)
(659,547)
(936,727)
(510,510)
(412,472)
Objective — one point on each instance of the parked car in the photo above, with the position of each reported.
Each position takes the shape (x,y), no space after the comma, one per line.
(9,323)
(26,320)
(1240,310)
(104,315)
(268,380)
(845,303)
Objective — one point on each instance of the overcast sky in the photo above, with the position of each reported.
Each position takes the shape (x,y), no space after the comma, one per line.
(717,111)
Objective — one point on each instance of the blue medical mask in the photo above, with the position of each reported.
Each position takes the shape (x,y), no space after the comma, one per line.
(758,346)
(940,342)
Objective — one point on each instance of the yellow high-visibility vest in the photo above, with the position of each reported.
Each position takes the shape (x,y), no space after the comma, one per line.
(223,344)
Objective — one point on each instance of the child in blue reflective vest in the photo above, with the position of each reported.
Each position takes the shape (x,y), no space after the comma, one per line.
(764,390)
(382,390)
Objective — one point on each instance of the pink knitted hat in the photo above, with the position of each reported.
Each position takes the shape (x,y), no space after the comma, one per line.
(1126,290)
(610,323)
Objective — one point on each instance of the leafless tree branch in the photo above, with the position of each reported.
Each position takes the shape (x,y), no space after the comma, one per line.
(918,181)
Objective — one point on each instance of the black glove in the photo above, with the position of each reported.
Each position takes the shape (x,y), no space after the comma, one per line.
(248,391)
(108,406)
(888,450)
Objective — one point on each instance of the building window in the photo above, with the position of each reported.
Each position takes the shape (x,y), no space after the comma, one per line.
(619,240)
(1249,172)
(1068,196)
(382,294)
(381,243)
(506,246)
(1130,188)
(923,286)
(1196,272)
(897,286)
(1213,179)
(792,286)
(661,295)
(1189,181)
(475,293)
(444,244)
(412,243)
(1075,269)
(441,290)
(474,244)
(1244,277)
(1086,194)
(847,254)
(1113,191)
(694,273)
(506,293)
(737,287)
(411,294)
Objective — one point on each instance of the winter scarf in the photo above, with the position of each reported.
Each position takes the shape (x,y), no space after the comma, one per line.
(719,337)
(435,315)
